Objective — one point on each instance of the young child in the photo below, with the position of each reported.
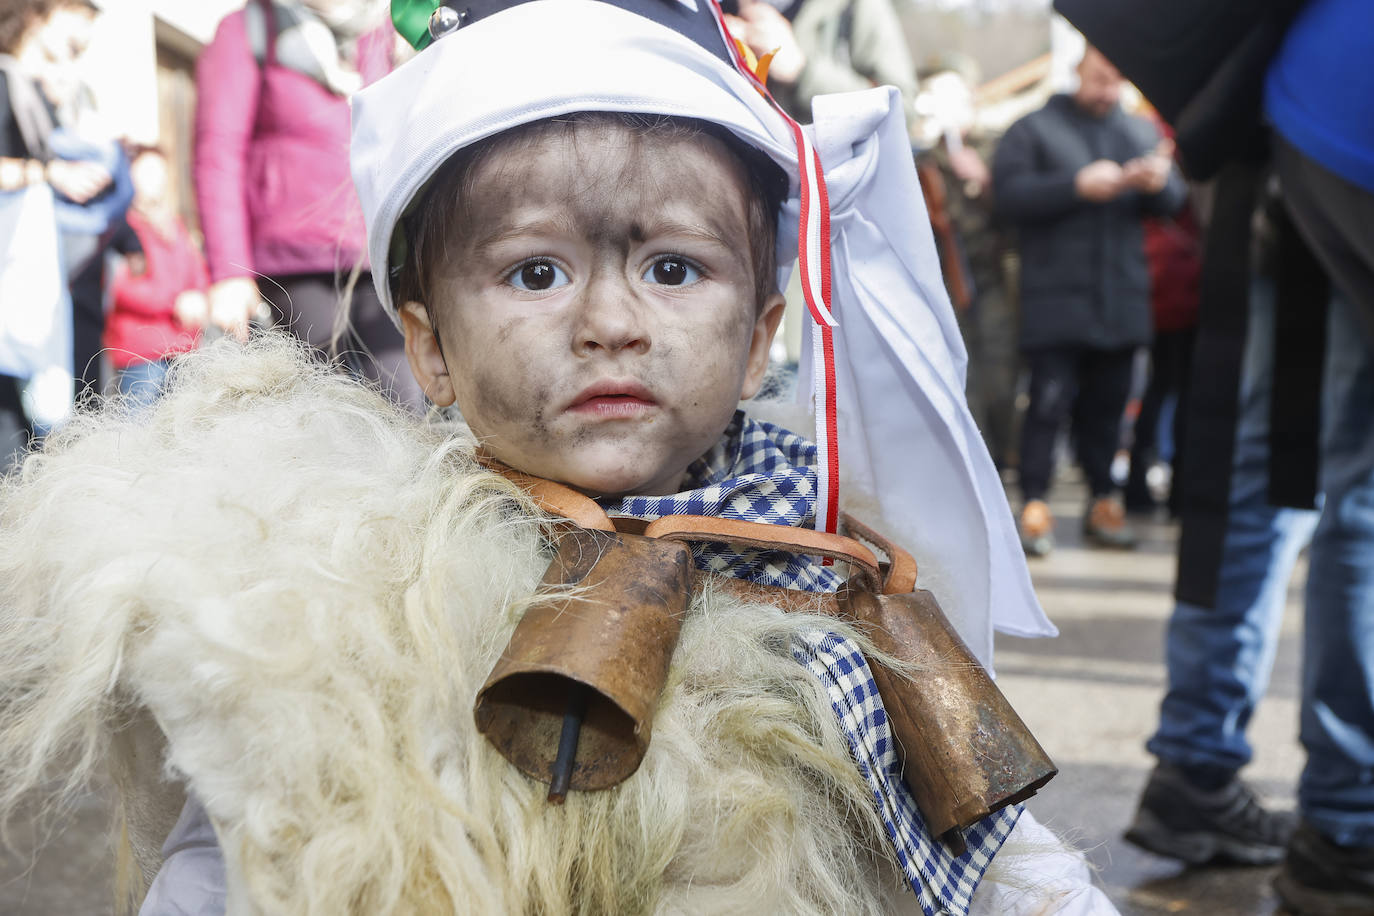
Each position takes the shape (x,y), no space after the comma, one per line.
(584,258)
(159,303)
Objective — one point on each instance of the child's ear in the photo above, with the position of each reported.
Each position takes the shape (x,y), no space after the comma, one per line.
(424,354)
(764,331)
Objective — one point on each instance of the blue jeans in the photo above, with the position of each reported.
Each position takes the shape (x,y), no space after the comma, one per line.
(1336,792)
(142,382)
(1219,659)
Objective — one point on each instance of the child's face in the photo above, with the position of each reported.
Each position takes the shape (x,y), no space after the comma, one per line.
(598,320)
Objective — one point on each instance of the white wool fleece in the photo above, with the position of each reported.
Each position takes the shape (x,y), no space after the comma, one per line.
(304,587)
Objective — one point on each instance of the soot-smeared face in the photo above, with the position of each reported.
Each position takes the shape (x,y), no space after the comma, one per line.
(598,318)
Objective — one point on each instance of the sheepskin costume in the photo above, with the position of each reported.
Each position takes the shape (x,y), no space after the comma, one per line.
(280,593)
(305,588)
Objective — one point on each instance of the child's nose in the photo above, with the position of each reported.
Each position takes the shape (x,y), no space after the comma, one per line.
(610,316)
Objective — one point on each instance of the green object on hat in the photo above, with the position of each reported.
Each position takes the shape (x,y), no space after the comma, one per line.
(411,18)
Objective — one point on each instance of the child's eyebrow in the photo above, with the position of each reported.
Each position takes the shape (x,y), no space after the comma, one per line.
(636,231)
(547,225)
(705,232)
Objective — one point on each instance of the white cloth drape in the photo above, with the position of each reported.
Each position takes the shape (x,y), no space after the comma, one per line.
(906,434)
(35,311)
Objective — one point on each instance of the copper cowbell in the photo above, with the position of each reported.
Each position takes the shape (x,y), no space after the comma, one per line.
(601,640)
(965,751)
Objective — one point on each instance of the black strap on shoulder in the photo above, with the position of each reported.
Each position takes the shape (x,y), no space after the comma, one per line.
(1210,421)
(1302,295)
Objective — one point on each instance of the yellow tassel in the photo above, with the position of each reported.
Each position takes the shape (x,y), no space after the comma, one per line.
(746,53)
(761,68)
(757,65)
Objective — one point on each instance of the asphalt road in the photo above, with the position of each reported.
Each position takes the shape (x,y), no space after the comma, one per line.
(1090,696)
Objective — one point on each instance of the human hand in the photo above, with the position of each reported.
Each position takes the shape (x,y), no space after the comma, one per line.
(191,308)
(77,181)
(766,30)
(969,167)
(1099,181)
(1150,173)
(232,303)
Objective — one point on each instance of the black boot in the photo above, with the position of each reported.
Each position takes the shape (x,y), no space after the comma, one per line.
(1320,878)
(1182,820)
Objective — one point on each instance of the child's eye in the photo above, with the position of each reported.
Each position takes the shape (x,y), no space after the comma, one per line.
(536,276)
(672,272)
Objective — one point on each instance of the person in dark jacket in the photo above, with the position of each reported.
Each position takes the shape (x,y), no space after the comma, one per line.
(1076,178)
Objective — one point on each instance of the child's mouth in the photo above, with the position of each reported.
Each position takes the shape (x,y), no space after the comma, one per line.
(613,400)
(613,406)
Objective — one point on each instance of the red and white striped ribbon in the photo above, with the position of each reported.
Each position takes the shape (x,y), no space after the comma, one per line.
(813,259)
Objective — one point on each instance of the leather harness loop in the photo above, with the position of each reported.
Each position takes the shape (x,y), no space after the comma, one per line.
(553,498)
(762,536)
(897,576)
(900,573)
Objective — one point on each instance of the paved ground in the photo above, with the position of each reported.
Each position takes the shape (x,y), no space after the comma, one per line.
(1090,696)
(70,873)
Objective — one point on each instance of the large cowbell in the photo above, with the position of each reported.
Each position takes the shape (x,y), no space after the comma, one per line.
(591,657)
(965,752)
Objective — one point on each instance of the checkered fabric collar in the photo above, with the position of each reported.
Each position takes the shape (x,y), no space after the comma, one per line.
(759,472)
(943,882)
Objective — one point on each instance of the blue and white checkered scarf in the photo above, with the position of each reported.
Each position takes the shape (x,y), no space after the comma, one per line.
(763,473)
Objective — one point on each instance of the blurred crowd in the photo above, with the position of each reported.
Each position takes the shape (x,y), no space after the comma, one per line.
(1076,300)
(276,237)
(104,283)
(1073,254)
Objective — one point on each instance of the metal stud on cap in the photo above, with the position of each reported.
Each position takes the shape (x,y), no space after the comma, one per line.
(443,20)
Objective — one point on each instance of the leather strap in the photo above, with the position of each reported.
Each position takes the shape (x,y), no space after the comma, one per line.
(899,576)
(553,498)
(761,536)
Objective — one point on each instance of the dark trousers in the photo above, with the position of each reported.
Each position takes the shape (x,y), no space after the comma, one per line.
(309,305)
(1171,357)
(15,430)
(84,257)
(1088,386)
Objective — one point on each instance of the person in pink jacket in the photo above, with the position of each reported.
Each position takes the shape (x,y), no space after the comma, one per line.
(277,207)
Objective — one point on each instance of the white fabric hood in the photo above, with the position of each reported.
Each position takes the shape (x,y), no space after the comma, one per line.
(904,432)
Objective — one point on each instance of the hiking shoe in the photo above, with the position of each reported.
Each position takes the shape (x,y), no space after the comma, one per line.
(1105,525)
(1320,878)
(1179,820)
(1037,528)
